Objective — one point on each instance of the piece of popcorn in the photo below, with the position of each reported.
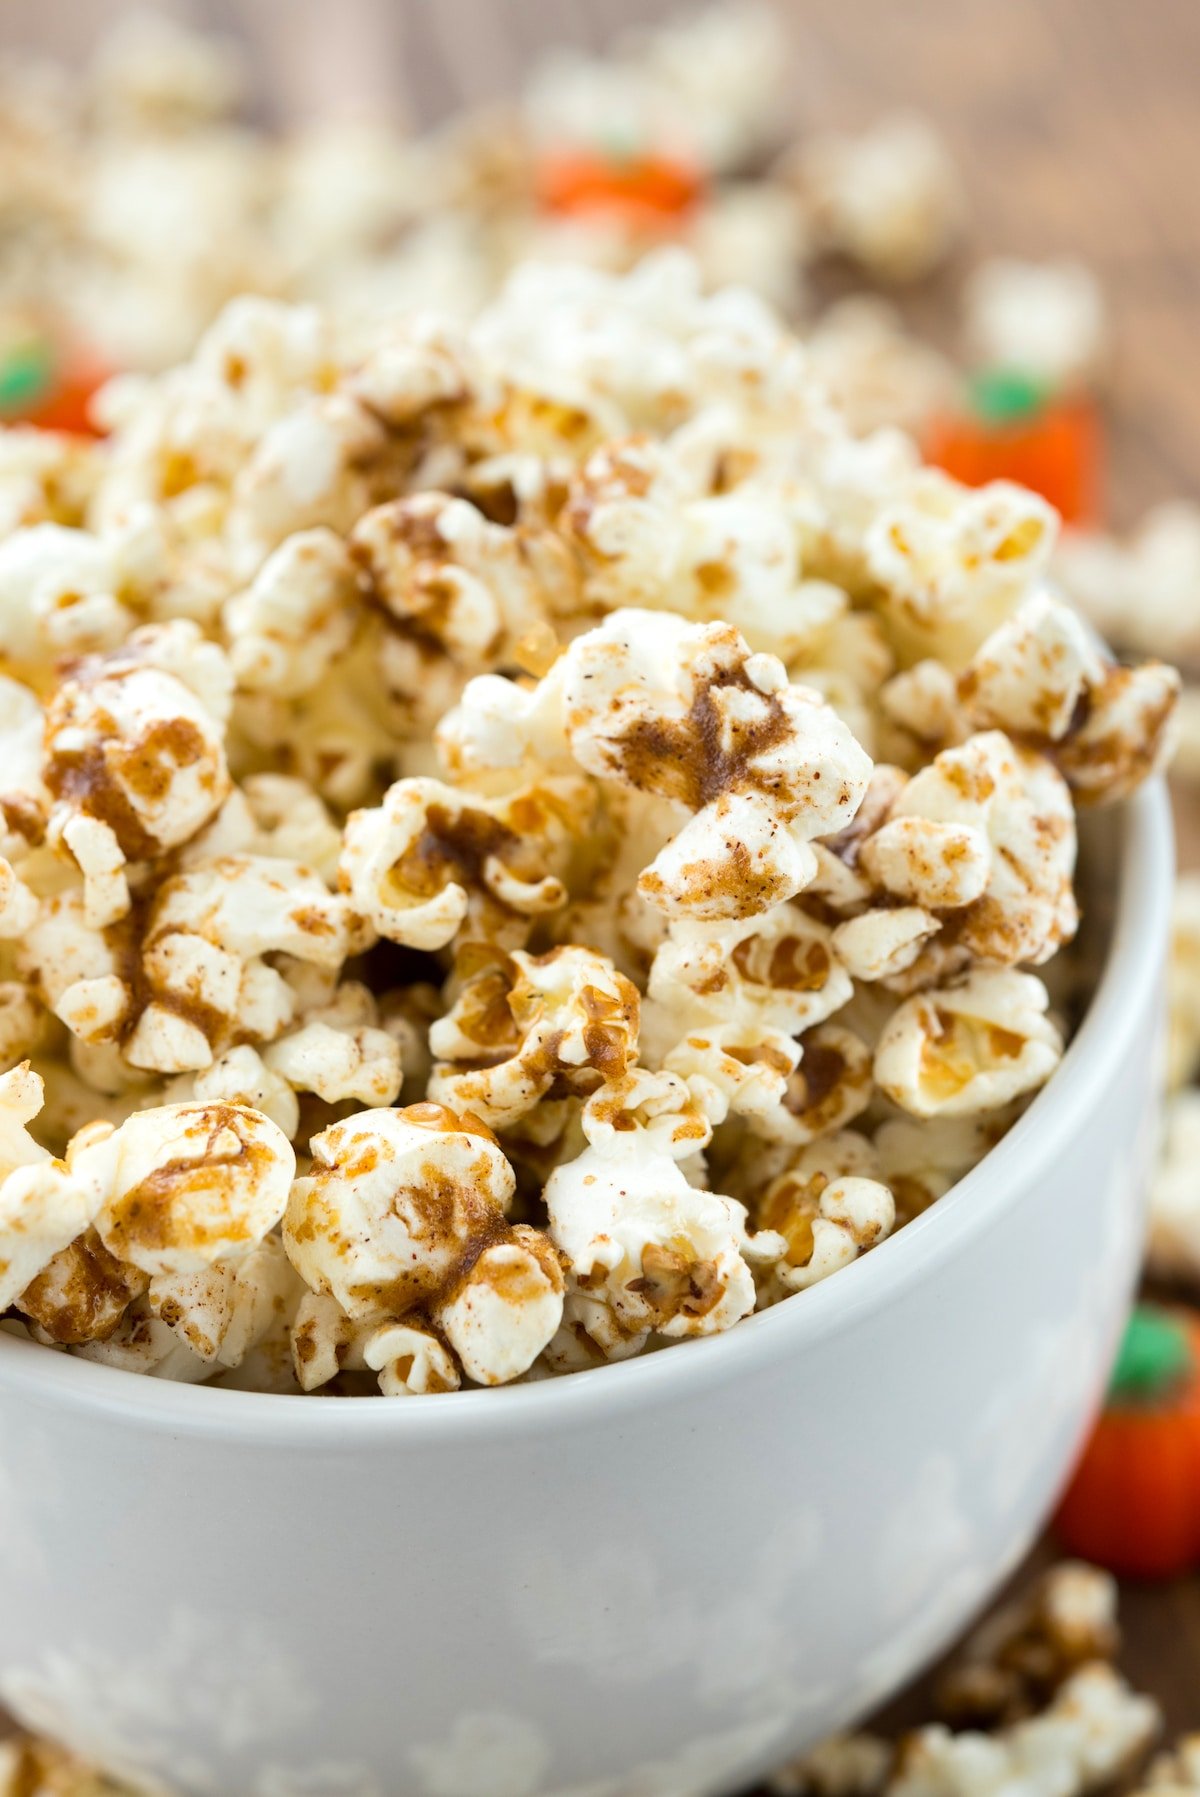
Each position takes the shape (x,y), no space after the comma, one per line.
(325,1342)
(1176,1771)
(829,1088)
(1047,319)
(1019,1656)
(181,1186)
(241,1076)
(419,865)
(396,1203)
(42,1207)
(1091,1731)
(141,1343)
(841,1766)
(409,1360)
(458,595)
(24,801)
(660,1108)
(743,986)
(82,1293)
(501,1314)
(882,943)
(1041,678)
(338,1063)
(135,759)
(685,712)
(519,1026)
(592,1332)
(825,1223)
(875,371)
(299,613)
(953,560)
(57,596)
(985,805)
(665,1255)
(968,1048)
(1143,592)
(18,905)
(1173,1248)
(225,1309)
(891,198)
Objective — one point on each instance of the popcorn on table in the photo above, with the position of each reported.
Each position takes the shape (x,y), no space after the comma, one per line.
(521,841)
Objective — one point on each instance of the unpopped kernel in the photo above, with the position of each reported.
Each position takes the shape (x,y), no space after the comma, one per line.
(521,839)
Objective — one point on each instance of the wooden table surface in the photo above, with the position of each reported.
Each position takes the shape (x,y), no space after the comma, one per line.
(1077,127)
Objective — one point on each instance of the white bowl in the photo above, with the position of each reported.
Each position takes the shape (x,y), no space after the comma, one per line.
(657,1578)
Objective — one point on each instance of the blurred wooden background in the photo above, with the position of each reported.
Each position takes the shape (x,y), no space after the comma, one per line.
(1076,124)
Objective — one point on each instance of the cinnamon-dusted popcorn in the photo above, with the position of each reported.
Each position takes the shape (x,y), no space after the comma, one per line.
(518,1027)
(458,595)
(429,859)
(135,761)
(1177,1771)
(178,1187)
(825,1223)
(953,561)
(1041,677)
(223,1310)
(972,1047)
(557,720)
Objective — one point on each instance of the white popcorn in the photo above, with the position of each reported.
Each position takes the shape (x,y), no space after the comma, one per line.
(177,1188)
(298,614)
(142,1343)
(325,1342)
(500,1316)
(1142,593)
(954,560)
(880,944)
(57,596)
(891,198)
(1047,319)
(82,1293)
(984,805)
(409,1361)
(223,1310)
(1088,1734)
(824,1223)
(338,1063)
(42,1209)
(662,1253)
(968,1048)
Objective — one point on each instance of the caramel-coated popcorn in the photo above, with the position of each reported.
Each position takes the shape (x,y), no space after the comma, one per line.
(521,839)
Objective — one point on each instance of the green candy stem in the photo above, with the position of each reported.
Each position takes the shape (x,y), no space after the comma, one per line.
(1154,1355)
(25,374)
(1006,395)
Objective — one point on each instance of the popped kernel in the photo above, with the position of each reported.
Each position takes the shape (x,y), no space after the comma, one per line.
(967,1048)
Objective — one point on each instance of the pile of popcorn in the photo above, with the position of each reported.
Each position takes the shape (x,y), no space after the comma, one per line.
(521,844)
(136,200)
(1032,1703)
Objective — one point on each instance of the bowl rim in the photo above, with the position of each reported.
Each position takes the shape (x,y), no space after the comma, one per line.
(1131,972)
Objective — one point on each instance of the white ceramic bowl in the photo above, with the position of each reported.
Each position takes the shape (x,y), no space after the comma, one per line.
(657,1578)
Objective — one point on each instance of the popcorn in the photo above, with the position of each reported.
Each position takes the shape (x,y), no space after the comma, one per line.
(968,1048)
(1088,1734)
(890,199)
(555,723)
(1173,1247)
(566,1016)
(417,866)
(135,761)
(297,616)
(1046,318)
(178,1187)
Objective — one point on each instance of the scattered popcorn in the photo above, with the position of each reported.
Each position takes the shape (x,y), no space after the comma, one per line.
(1047,319)
(889,199)
(522,838)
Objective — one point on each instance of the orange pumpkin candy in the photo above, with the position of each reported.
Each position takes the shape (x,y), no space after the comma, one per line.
(1014,430)
(1133,1504)
(644,191)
